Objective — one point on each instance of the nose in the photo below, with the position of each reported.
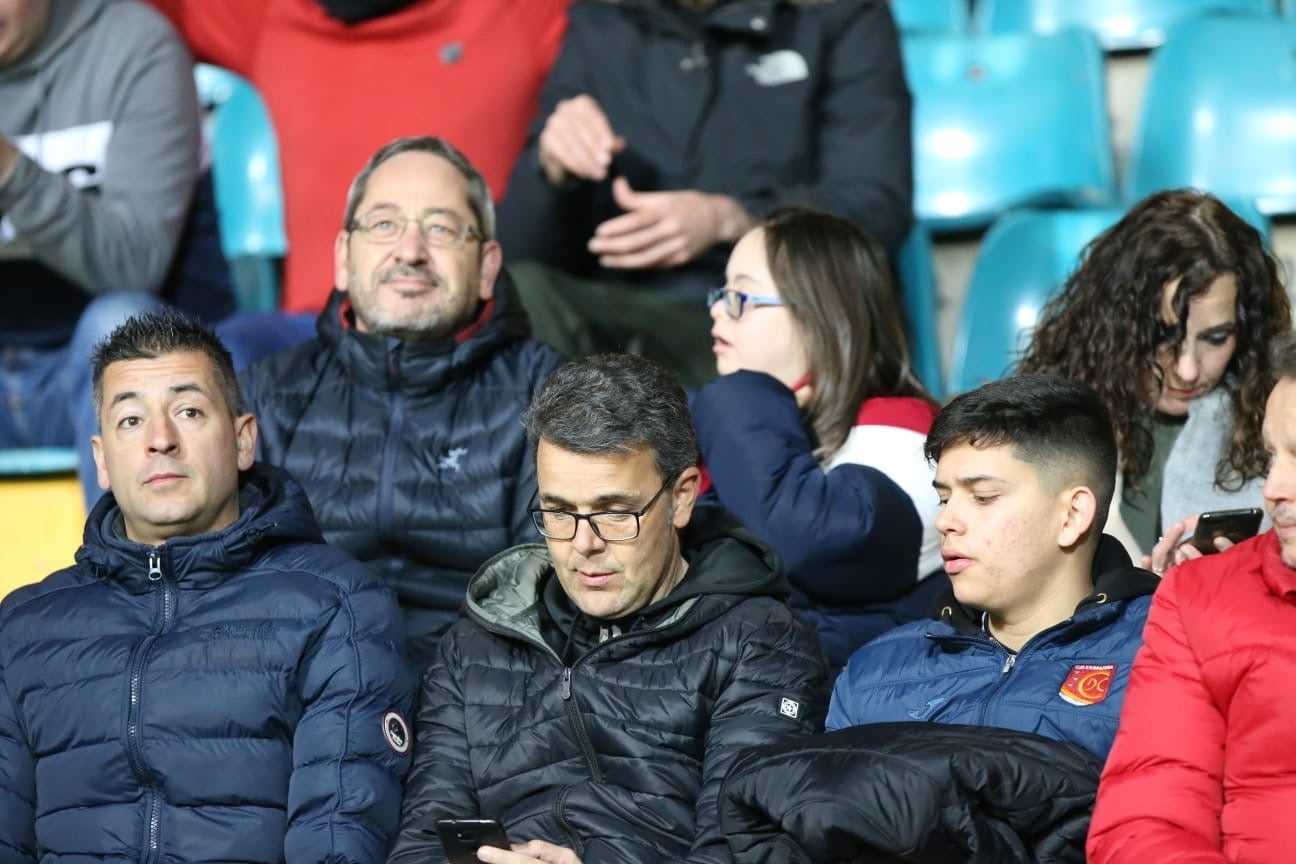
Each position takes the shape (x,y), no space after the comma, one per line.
(586,542)
(412,246)
(162,436)
(1186,366)
(717,310)
(947,520)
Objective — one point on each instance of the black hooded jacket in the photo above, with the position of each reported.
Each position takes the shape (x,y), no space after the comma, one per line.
(619,753)
(412,453)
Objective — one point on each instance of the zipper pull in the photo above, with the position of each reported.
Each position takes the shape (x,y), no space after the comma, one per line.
(566,683)
(155,565)
(1009,662)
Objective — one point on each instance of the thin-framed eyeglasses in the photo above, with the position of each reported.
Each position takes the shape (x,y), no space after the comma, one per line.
(613,526)
(441,228)
(736,301)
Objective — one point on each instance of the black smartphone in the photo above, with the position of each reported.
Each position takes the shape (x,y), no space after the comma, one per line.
(1236,525)
(461,838)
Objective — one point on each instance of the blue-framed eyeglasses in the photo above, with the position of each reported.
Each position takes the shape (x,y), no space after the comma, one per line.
(736,301)
(611,525)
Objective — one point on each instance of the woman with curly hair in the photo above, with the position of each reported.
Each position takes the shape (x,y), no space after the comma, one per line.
(813,433)
(1170,317)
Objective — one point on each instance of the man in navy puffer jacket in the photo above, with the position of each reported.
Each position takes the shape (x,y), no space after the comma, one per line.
(209,681)
(1045,613)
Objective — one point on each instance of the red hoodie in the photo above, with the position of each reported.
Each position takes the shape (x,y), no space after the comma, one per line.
(467,70)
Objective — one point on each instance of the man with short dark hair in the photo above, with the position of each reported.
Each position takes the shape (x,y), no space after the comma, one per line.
(401,418)
(1203,769)
(603,682)
(1044,614)
(210,681)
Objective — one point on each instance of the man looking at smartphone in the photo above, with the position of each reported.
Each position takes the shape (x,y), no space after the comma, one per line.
(602,683)
(1203,760)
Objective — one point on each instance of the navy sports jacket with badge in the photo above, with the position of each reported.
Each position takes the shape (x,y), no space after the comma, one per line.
(1066,683)
(234,696)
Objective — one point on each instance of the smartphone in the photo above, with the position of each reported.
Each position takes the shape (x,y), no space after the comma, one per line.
(1236,525)
(460,838)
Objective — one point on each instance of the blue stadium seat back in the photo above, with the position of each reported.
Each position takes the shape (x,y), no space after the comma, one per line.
(1219,113)
(936,16)
(1007,121)
(1025,257)
(1287,8)
(1121,25)
(917,276)
(249,191)
(36,461)
(215,84)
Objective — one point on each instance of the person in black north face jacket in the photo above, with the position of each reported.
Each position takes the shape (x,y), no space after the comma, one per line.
(401,418)
(603,683)
(209,681)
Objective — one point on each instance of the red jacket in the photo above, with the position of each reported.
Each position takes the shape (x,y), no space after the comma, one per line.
(467,70)
(1204,765)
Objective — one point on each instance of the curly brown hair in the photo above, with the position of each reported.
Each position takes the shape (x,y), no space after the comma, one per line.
(1105,326)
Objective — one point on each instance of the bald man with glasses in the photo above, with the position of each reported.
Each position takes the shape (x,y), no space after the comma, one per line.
(401,419)
(603,681)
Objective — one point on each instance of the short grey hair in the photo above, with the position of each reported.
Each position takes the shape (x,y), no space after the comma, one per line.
(479,194)
(615,403)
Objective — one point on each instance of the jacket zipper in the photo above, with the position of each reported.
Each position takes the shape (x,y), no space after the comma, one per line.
(134,749)
(390,445)
(573,711)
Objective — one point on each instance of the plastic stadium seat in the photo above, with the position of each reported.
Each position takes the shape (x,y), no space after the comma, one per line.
(1219,113)
(917,276)
(42,511)
(940,16)
(249,193)
(1121,25)
(1025,257)
(1007,121)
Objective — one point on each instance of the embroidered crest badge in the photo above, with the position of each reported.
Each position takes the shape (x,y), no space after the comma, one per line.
(396,732)
(1087,684)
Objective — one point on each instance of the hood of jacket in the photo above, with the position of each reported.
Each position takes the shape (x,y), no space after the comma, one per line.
(727,562)
(273,509)
(1114,578)
(422,367)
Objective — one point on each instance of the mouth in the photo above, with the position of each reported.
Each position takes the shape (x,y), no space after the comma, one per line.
(594,578)
(719,344)
(1184,394)
(162,478)
(955,562)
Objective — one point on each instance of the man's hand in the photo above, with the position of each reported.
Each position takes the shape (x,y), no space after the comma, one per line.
(1169,551)
(531,852)
(8,159)
(578,141)
(665,229)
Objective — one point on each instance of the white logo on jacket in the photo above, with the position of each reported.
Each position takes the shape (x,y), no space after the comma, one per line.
(450,461)
(79,153)
(779,67)
(789,707)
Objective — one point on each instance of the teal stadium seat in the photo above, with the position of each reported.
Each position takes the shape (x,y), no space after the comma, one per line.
(1219,113)
(249,192)
(1007,121)
(1026,256)
(1121,25)
(37,461)
(939,16)
(917,274)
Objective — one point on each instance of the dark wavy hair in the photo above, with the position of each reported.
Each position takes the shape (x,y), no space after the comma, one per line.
(837,285)
(1105,326)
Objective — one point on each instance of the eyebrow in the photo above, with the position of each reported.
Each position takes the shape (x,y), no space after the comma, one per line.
(595,505)
(969,481)
(127,395)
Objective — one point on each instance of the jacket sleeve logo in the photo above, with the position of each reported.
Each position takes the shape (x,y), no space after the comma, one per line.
(396,731)
(789,707)
(1087,684)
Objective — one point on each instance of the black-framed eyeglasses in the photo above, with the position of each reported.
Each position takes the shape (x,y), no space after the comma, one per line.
(736,301)
(442,228)
(613,526)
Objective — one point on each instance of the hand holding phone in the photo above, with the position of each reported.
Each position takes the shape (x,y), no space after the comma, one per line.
(461,838)
(1234,525)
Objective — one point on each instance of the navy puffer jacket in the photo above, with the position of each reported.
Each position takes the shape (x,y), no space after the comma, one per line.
(412,453)
(232,696)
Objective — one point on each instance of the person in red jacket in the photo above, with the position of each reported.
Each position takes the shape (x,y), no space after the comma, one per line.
(341,78)
(1203,768)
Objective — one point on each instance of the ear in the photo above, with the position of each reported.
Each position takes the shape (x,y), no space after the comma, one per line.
(341,261)
(101,470)
(245,437)
(685,496)
(1078,516)
(492,261)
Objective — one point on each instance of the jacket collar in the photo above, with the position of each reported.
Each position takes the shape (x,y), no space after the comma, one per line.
(1278,577)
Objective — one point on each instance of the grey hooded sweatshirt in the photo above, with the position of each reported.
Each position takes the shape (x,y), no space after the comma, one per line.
(105,113)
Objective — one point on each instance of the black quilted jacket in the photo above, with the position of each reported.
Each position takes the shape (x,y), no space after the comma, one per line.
(620,755)
(411,453)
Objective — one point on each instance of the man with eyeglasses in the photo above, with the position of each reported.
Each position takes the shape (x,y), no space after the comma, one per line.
(401,419)
(602,683)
